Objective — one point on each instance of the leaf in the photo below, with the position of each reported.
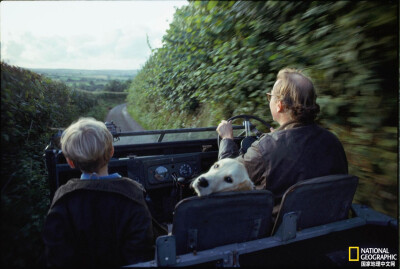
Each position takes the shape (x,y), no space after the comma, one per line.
(211,4)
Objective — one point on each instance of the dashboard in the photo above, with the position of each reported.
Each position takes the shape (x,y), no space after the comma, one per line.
(162,171)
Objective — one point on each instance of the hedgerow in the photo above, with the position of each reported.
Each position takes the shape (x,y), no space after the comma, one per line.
(31,107)
(220,58)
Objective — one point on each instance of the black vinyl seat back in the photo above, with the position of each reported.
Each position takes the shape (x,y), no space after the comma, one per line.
(319,200)
(223,218)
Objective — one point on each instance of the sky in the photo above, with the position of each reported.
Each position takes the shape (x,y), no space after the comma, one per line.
(83,34)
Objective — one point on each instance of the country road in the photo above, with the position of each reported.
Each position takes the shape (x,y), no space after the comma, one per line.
(121,118)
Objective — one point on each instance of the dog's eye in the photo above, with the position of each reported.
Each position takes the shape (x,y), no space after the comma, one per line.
(216,166)
(228,179)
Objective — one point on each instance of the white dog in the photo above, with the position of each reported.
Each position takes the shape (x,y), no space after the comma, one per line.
(224,175)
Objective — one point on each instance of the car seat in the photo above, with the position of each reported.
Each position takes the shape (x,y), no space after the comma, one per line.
(317,201)
(201,223)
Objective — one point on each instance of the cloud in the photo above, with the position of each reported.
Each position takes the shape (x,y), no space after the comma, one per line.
(30,50)
(15,49)
(117,49)
(108,35)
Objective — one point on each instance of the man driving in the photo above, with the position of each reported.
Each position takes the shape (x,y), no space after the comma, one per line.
(299,149)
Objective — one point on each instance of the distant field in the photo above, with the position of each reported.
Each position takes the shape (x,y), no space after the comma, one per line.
(89,80)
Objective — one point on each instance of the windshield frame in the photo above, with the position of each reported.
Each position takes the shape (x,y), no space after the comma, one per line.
(167,135)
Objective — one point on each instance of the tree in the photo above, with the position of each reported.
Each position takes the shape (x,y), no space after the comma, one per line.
(115,86)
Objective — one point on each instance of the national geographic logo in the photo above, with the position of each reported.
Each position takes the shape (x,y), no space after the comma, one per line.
(354,254)
(372,257)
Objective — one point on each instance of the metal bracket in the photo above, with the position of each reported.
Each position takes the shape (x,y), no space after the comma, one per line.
(192,240)
(288,228)
(165,250)
(114,130)
(231,259)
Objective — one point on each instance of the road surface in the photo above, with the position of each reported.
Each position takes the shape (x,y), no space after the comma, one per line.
(121,118)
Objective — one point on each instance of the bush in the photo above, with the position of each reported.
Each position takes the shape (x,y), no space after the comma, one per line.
(30,106)
(219,58)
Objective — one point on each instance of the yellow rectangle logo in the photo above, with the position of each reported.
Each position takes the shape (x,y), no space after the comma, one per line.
(354,254)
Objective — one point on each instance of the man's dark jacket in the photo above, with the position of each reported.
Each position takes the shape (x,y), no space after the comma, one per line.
(98,223)
(292,153)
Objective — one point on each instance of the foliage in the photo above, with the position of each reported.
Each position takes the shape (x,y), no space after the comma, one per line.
(117,86)
(30,106)
(101,102)
(219,58)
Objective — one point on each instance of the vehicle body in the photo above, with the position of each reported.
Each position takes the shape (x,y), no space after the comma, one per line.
(165,161)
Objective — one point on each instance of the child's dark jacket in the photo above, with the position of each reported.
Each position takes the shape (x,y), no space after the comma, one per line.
(98,223)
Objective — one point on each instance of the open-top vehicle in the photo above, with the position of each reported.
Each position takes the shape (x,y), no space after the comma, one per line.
(317,225)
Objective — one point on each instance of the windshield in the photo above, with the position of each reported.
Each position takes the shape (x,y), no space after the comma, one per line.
(171,135)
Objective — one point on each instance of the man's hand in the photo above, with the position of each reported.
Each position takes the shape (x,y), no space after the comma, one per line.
(225,129)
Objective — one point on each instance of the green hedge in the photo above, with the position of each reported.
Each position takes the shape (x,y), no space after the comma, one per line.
(219,58)
(31,105)
(102,102)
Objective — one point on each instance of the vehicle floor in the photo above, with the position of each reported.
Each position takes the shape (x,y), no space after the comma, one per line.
(329,251)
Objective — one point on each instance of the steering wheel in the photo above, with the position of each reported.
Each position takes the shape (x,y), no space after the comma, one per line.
(249,128)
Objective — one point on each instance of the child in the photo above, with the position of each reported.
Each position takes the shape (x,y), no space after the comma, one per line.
(97,220)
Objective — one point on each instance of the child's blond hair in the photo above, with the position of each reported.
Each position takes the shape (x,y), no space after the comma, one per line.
(88,144)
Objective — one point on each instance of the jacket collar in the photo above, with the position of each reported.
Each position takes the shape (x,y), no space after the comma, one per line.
(291,125)
(124,186)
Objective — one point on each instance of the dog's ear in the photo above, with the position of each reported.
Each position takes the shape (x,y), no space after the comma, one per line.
(246,185)
(250,185)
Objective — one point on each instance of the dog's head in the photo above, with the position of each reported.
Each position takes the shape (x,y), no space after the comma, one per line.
(224,175)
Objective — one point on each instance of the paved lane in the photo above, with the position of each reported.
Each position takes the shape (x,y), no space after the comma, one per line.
(121,118)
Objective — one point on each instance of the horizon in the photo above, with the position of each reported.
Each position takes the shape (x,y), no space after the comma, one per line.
(40,68)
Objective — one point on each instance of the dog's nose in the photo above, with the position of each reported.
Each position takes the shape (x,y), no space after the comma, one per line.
(203,182)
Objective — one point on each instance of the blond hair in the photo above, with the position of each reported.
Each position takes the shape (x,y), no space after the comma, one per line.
(88,144)
(298,94)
